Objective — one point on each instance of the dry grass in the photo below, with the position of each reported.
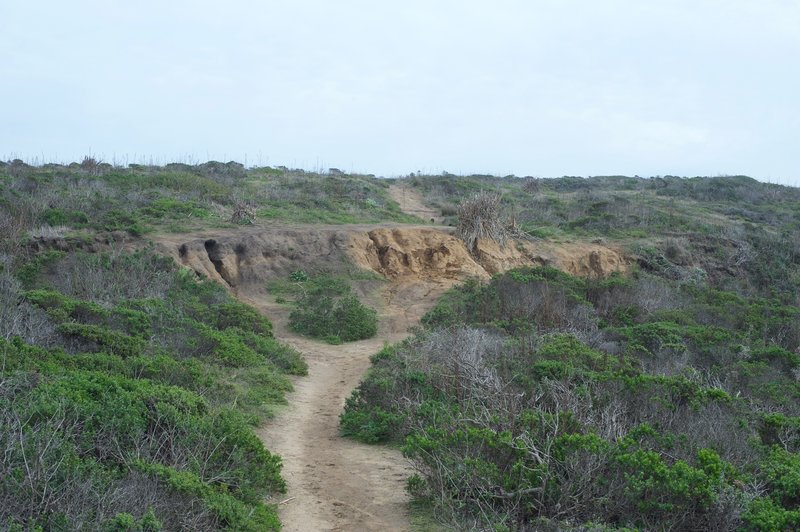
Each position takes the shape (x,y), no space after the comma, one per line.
(480,217)
(47,231)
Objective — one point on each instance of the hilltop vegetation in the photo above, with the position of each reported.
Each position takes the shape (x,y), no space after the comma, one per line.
(735,229)
(138,199)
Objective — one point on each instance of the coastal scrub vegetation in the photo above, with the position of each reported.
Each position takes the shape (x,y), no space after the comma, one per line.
(667,398)
(76,199)
(129,390)
(540,400)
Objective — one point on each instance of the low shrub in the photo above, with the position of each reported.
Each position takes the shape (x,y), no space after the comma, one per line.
(135,363)
(106,339)
(329,311)
(334,320)
(625,403)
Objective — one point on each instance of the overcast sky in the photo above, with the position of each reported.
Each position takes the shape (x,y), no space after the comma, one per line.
(536,87)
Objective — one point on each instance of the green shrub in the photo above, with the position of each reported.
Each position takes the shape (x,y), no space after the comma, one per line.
(29,273)
(63,308)
(178,375)
(369,425)
(238,315)
(298,276)
(56,216)
(282,355)
(329,311)
(120,418)
(765,514)
(171,208)
(121,220)
(782,471)
(112,341)
(232,351)
(233,513)
(125,522)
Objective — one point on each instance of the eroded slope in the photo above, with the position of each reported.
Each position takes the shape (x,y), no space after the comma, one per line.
(252,256)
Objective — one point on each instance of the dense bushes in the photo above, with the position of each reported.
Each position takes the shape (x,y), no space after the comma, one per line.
(104,425)
(19,317)
(327,309)
(541,400)
(128,391)
(334,320)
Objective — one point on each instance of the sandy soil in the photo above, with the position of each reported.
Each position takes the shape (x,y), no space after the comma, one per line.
(335,483)
(410,202)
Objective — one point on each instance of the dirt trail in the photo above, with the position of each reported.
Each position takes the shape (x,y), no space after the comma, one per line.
(335,483)
(410,202)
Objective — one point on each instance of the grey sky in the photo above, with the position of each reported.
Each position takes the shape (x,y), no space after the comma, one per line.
(538,87)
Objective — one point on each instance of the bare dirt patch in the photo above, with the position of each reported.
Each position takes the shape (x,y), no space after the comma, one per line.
(437,255)
(411,202)
(248,258)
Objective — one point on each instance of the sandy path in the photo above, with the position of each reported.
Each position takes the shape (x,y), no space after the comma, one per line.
(410,202)
(335,483)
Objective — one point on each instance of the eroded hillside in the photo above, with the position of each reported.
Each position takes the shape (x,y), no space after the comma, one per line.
(251,256)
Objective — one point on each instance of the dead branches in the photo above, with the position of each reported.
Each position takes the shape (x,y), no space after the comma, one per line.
(243,213)
(479,217)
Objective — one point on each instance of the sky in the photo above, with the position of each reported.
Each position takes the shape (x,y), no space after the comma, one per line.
(537,87)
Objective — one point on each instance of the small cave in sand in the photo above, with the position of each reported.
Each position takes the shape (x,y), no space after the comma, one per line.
(214,252)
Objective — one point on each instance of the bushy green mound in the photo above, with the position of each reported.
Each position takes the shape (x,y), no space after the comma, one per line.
(128,393)
(327,309)
(540,400)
